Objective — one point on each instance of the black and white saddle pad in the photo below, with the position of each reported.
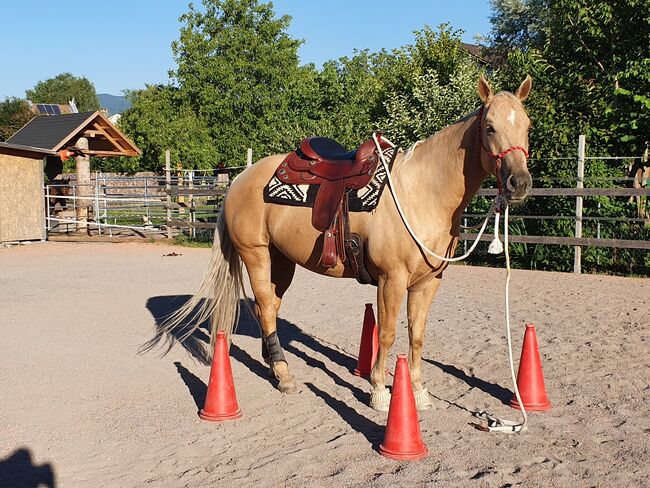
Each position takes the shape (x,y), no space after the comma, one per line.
(362,200)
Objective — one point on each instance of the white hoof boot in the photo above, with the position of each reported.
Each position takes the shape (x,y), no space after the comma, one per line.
(380,400)
(422,399)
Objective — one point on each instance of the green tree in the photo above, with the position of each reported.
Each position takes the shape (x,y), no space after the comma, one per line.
(63,88)
(14,113)
(427,85)
(517,24)
(594,62)
(590,62)
(160,119)
(236,67)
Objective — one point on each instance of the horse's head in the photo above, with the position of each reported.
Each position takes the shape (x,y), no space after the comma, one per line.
(503,136)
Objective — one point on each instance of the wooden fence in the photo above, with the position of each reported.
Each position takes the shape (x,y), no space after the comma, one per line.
(188,201)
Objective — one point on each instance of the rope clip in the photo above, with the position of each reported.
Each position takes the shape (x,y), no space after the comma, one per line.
(496,425)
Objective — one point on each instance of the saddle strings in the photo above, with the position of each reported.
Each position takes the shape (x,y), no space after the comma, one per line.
(493,424)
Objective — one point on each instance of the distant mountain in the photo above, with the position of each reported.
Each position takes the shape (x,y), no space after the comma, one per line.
(115,104)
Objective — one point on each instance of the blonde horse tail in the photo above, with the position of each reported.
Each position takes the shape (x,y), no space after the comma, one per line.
(217,298)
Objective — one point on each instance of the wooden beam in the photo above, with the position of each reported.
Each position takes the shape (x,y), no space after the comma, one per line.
(195,225)
(197,192)
(106,134)
(122,136)
(574,192)
(567,241)
(101,152)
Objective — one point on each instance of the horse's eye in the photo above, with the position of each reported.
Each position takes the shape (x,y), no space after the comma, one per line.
(490,129)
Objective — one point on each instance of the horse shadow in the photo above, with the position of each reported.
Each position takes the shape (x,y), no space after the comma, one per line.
(196,343)
(493,389)
(161,308)
(19,471)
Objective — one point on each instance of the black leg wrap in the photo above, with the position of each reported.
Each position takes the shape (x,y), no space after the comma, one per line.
(271,349)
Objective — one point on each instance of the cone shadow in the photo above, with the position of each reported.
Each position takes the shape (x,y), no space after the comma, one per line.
(196,387)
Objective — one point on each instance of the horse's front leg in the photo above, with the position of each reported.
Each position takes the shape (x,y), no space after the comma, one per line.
(390,293)
(418,303)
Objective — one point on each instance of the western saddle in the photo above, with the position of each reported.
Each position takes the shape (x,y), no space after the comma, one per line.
(325,162)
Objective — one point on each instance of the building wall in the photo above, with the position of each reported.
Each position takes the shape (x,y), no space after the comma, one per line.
(22,206)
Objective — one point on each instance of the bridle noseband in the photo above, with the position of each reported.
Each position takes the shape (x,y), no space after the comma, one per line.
(497,157)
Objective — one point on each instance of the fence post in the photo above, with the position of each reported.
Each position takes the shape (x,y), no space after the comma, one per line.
(249,157)
(577,260)
(190,201)
(96,209)
(168,187)
(84,191)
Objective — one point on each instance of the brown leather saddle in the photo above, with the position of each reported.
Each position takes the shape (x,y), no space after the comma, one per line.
(324,162)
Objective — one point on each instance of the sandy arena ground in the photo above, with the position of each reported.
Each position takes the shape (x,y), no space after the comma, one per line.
(79,407)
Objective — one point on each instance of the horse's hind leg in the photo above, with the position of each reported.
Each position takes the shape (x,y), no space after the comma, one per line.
(270,275)
(418,303)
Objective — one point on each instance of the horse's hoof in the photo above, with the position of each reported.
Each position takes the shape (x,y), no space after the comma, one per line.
(288,388)
(380,400)
(422,399)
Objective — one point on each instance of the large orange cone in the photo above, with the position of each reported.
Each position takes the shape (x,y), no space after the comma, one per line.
(221,399)
(530,378)
(369,345)
(402,439)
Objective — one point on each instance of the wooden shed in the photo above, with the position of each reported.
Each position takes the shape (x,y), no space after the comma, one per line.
(22,204)
(22,200)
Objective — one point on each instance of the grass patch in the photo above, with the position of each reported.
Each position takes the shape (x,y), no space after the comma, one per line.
(183,240)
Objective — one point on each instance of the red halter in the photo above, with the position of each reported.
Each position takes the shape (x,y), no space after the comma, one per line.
(497,157)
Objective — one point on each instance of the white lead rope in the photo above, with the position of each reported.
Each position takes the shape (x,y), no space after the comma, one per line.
(493,424)
(417,240)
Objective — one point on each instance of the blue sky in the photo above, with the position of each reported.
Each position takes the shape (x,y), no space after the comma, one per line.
(124,44)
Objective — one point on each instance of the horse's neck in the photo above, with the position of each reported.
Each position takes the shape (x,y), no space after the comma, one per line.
(443,173)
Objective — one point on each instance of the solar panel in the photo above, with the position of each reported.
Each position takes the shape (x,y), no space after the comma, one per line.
(48,109)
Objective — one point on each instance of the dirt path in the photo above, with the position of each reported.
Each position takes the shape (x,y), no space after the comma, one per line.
(80,406)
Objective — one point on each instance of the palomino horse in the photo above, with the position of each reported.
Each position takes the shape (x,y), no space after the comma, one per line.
(434,181)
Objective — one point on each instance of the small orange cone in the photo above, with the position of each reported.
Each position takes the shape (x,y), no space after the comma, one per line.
(369,345)
(530,378)
(402,439)
(221,399)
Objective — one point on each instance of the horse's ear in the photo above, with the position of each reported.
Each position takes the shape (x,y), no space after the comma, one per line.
(524,89)
(484,90)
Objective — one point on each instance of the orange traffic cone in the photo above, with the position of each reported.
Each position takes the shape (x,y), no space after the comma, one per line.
(530,378)
(221,399)
(402,439)
(369,345)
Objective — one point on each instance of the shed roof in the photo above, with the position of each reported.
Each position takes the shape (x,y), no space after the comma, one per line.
(56,132)
(25,151)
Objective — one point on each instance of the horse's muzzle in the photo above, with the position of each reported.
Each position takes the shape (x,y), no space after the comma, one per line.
(518,186)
